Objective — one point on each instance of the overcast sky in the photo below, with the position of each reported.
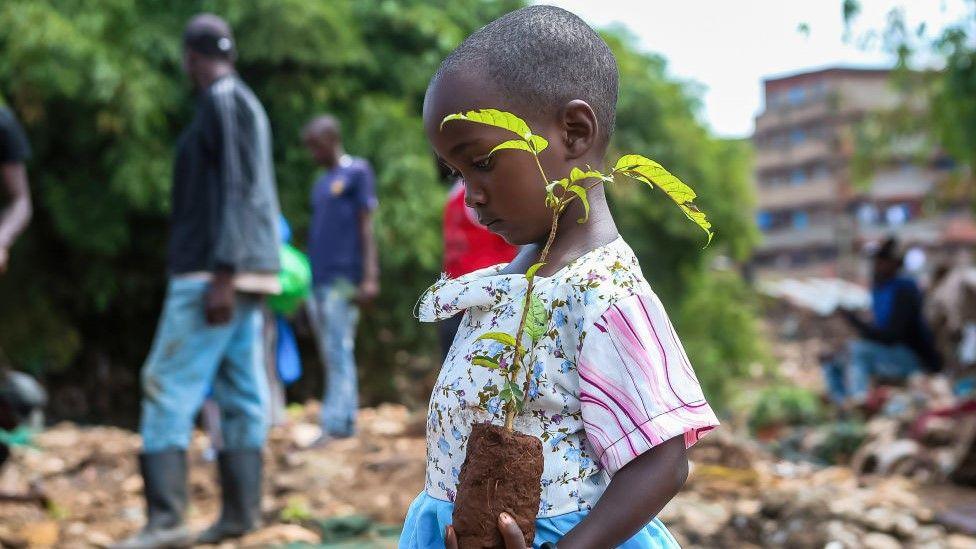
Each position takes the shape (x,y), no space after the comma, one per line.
(729,46)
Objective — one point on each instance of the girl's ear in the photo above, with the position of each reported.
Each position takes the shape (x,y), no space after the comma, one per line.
(579,128)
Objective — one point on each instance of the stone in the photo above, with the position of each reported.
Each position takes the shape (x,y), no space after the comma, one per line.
(747,507)
(925,534)
(99,539)
(40,534)
(132,485)
(905,525)
(279,534)
(304,434)
(880,518)
(844,534)
(959,541)
(877,540)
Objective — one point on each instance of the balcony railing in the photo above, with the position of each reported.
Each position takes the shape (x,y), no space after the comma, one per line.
(816,191)
(810,150)
(814,235)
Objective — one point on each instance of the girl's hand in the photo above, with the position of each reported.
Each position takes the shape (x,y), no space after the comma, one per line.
(511,534)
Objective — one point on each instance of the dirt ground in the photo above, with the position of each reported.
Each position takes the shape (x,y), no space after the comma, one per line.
(738,496)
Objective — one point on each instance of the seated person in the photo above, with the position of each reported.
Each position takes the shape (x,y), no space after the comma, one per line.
(895,344)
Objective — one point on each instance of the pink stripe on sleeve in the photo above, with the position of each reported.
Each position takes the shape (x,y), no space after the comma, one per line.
(637,387)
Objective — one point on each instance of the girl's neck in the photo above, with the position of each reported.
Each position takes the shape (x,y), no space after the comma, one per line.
(572,239)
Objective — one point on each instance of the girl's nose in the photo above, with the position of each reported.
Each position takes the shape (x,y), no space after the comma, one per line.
(474,195)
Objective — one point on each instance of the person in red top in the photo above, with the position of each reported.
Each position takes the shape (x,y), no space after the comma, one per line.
(468,246)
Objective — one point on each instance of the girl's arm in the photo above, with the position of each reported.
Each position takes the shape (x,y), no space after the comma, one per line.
(636,494)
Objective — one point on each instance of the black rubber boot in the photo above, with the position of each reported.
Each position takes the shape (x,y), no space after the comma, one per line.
(240,485)
(164,479)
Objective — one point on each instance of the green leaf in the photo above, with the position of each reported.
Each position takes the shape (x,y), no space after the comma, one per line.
(551,200)
(539,143)
(581,193)
(496,118)
(530,274)
(536,320)
(485,361)
(500,337)
(648,171)
(534,144)
(513,393)
(513,144)
(577,174)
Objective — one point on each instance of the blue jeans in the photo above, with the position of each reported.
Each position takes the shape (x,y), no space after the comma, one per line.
(334,317)
(851,378)
(189,356)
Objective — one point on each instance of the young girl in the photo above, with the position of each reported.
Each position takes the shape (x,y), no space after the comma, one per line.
(612,395)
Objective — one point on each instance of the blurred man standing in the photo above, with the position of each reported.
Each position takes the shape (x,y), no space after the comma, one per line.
(14,152)
(345,267)
(223,257)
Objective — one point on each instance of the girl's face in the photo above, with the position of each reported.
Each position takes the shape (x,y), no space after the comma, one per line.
(505,189)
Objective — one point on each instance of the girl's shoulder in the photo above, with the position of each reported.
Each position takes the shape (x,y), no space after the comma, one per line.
(597,280)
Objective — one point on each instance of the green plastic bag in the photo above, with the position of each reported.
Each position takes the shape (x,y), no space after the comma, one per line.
(296,281)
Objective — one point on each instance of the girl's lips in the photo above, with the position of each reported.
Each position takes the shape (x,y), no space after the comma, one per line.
(494,225)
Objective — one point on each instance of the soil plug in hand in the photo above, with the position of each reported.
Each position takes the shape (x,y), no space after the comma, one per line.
(511,534)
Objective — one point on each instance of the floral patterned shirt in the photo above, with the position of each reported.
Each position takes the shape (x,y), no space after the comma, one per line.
(609,378)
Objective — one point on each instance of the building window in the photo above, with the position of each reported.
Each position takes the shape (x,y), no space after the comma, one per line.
(820,171)
(798,176)
(798,136)
(897,215)
(867,214)
(818,89)
(801,220)
(764,220)
(777,99)
(798,94)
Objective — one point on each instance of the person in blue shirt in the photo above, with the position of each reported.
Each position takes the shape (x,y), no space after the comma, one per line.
(895,344)
(345,267)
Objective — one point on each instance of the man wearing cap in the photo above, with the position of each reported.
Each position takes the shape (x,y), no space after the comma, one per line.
(896,343)
(223,257)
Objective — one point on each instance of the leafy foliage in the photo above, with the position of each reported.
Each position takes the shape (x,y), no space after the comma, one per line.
(785,405)
(652,173)
(947,121)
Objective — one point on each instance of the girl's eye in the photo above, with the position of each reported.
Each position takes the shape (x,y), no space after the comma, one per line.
(483,164)
(451,172)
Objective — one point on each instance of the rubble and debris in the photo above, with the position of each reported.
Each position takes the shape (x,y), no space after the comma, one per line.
(738,495)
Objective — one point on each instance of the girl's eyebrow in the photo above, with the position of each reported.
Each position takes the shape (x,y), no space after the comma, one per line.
(457,149)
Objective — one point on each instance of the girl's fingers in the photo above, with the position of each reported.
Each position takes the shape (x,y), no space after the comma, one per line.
(450,538)
(511,533)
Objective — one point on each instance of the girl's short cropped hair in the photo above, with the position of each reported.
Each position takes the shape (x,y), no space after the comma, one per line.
(541,57)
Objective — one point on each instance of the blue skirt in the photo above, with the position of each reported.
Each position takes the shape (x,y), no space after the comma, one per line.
(428,517)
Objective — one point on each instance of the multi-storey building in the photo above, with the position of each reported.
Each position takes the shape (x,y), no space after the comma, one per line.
(813,216)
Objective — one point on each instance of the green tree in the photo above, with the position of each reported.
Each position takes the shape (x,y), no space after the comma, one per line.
(935,68)
(100,91)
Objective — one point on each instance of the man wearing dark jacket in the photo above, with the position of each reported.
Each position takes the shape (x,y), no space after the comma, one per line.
(896,343)
(223,257)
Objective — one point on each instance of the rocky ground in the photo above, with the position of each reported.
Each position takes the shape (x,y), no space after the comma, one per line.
(359,489)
